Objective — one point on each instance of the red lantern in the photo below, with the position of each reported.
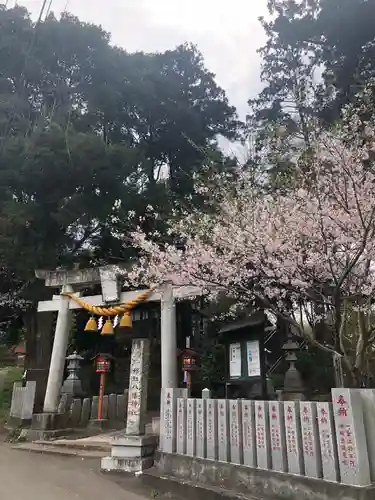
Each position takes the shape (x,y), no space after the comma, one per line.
(189,365)
(103,364)
(189,361)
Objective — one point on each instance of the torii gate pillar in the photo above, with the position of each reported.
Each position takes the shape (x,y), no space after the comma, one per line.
(168,339)
(60,344)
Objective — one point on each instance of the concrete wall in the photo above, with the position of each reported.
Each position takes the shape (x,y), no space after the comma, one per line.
(229,479)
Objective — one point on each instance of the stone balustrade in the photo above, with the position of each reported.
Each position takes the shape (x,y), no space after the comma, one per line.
(329,441)
(77,412)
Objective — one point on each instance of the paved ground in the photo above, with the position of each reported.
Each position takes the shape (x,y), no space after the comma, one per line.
(29,476)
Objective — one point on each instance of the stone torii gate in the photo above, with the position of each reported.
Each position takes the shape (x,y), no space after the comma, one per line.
(108,277)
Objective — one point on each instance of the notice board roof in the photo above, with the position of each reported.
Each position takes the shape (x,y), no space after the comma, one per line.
(256,319)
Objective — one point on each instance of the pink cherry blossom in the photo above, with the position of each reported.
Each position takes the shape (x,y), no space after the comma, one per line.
(314,244)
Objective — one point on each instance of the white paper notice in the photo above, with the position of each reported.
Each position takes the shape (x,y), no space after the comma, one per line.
(235,360)
(253,359)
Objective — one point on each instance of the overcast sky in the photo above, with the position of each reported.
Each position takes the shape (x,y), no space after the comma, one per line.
(226,31)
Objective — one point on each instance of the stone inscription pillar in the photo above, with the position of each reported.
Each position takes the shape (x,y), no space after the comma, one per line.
(310,440)
(223,430)
(262,434)
(249,434)
(293,438)
(137,400)
(169,417)
(181,426)
(328,445)
(368,402)
(212,429)
(351,437)
(235,431)
(277,434)
(134,451)
(191,427)
(201,428)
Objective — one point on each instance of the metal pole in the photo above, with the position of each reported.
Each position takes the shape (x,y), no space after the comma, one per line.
(188,383)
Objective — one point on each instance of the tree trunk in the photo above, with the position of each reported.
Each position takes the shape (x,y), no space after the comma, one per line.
(338,370)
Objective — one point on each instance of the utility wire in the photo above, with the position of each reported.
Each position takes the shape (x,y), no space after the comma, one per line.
(48,10)
(41,13)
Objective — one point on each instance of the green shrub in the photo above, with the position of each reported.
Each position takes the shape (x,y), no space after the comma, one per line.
(12,374)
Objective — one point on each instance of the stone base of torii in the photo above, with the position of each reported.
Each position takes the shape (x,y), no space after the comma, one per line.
(133,450)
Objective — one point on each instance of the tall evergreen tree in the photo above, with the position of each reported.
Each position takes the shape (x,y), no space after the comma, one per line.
(89,132)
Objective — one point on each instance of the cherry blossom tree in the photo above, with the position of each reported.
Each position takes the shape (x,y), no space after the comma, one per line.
(306,255)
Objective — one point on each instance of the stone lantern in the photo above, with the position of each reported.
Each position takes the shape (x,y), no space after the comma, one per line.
(72,384)
(293,386)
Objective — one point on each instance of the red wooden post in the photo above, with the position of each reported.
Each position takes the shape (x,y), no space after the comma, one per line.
(101,396)
(102,366)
